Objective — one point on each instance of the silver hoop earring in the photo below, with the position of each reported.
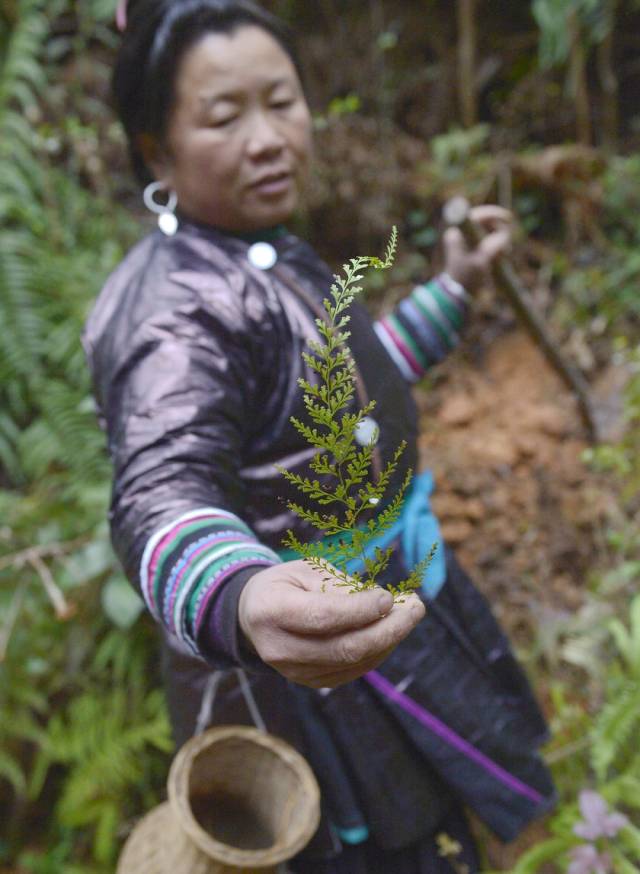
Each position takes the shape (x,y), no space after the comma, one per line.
(167,221)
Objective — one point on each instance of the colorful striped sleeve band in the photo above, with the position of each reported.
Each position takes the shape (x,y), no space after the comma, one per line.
(186,563)
(425,326)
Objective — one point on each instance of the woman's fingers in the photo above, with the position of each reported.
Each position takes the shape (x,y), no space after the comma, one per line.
(302,600)
(493,245)
(331,612)
(318,676)
(316,635)
(498,225)
(455,243)
(469,265)
(489,216)
(349,649)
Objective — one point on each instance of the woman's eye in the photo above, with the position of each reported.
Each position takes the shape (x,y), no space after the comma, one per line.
(281,104)
(223,121)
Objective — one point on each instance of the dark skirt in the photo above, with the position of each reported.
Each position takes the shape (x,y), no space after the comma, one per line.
(377,767)
(186,679)
(423,857)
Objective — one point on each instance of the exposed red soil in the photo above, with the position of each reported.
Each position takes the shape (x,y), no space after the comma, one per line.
(515,499)
(526,516)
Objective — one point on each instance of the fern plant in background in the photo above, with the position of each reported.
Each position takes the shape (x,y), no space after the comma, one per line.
(83,725)
(597,825)
(602,826)
(103,740)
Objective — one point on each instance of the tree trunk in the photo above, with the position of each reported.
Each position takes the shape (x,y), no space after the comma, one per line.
(467,45)
(382,88)
(578,80)
(609,82)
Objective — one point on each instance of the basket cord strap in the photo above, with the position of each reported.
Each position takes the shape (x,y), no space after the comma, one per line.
(252,705)
(209,696)
(208,699)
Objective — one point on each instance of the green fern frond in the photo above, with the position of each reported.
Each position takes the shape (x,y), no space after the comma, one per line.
(57,244)
(345,468)
(618,722)
(627,640)
(629,838)
(101,742)
(327,522)
(624,791)
(23,329)
(414,580)
(11,771)
(49,270)
(533,860)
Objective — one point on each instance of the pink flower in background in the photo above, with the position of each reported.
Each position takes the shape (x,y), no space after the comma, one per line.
(597,822)
(585,859)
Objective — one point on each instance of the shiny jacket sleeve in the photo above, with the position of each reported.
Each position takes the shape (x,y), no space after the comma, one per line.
(425,326)
(176,391)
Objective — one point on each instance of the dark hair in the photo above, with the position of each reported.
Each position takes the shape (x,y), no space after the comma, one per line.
(158,34)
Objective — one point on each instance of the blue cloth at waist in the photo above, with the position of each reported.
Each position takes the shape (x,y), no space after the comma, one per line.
(417,530)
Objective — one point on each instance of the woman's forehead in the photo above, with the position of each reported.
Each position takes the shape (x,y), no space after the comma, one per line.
(222,64)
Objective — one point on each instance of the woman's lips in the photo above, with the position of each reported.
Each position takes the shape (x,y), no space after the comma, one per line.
(274,185)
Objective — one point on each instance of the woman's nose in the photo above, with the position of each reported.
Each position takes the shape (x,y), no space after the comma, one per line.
(265,138)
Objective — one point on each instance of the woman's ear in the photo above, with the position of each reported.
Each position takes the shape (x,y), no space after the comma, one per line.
(154,156)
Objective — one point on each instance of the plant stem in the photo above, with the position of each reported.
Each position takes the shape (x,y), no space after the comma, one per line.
(10,620)
(64,610)
(467,41)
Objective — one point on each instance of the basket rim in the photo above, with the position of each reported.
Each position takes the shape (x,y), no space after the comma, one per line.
(178,791)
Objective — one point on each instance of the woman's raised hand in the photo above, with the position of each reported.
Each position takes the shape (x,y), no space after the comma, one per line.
(470,266)
(317,634)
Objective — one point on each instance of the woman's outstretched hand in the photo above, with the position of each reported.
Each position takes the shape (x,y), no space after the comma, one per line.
(320,635)
(470,266)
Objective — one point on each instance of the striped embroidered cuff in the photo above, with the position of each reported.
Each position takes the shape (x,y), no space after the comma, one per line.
(185,564)
(424,327)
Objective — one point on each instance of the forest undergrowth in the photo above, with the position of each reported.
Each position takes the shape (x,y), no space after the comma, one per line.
(84,736)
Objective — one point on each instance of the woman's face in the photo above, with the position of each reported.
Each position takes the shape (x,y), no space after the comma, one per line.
(239,134)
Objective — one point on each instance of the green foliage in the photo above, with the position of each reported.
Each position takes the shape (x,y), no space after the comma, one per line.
(611,762)
(454,148)
(616,729)
(596,723)
(601,295)
(104,753)
(553,19)
(623,458)
(83,733)
(55,245)
(345,468)
(616,725)
(460,163)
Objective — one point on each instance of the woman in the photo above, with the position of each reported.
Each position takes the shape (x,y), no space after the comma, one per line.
(195,348)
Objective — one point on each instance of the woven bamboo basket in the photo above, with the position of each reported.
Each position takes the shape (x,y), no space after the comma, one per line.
(240,800)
